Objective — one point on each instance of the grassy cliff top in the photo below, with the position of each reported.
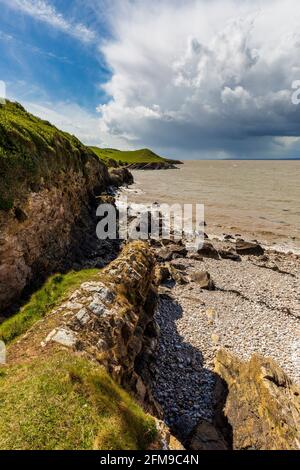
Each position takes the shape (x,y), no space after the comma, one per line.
(130,156)
(70,403)
(32,149)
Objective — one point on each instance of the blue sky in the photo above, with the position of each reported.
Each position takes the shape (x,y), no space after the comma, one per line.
(191,79)
(42,62)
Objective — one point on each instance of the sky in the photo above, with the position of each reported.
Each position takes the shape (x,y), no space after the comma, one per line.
(188,79)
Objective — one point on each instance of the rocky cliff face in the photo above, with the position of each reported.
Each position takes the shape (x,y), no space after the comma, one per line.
(48,184)
(262,405)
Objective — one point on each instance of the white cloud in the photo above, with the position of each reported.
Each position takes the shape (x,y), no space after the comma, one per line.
(41,10)
(203,76)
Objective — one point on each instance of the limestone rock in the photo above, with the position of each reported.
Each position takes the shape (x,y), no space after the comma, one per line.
(168,272)
(229,254)
(82,316)
(248,248)
(97,307)
(161,274)
(206,436)
(262,404)
(171,252)
(119,176)
(195,256)
(208,251)
(203,279)
(115,323)
(62,336)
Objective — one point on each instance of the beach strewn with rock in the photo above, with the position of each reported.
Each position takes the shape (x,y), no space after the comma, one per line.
(247,306)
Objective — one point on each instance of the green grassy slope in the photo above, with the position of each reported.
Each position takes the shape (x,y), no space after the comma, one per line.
(31,151)
(52,293)
(68,402)
(134,156)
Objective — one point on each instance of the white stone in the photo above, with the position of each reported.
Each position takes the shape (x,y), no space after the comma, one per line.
(82,316)
(97,307)
(49,338)
(72,306)
(65,337)
(91,286)
(105,294)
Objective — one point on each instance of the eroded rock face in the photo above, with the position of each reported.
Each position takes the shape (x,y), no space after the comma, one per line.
(262,404)
(58,219)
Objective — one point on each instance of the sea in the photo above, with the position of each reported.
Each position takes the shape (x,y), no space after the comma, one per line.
(256,200)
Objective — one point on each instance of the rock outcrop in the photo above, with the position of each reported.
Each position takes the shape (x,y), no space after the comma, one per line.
(163,165)
(111,320)
(120,176)
(262,405)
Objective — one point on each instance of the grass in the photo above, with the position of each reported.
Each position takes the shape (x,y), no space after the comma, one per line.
(68,402)
(44,300)
(127,157)
(32,149)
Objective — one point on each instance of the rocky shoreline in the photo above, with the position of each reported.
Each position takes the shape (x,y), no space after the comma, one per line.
(246,305)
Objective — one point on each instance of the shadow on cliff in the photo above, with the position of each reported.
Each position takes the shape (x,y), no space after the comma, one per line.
(191,396)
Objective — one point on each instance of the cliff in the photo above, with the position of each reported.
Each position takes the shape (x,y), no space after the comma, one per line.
(143,159)
(48,185)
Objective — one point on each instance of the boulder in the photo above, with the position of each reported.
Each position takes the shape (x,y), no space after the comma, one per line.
(203,279)
(208,251)
(171,252)
(206,436)
(195,256)
(161,274)
(178,276)
(248,248)
(229,254)
(168,272)
(262,405)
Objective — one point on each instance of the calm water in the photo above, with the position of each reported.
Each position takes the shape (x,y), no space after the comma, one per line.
(257,199)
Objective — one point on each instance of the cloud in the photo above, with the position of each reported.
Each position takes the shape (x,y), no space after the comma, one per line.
(203,78)
(42,11)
